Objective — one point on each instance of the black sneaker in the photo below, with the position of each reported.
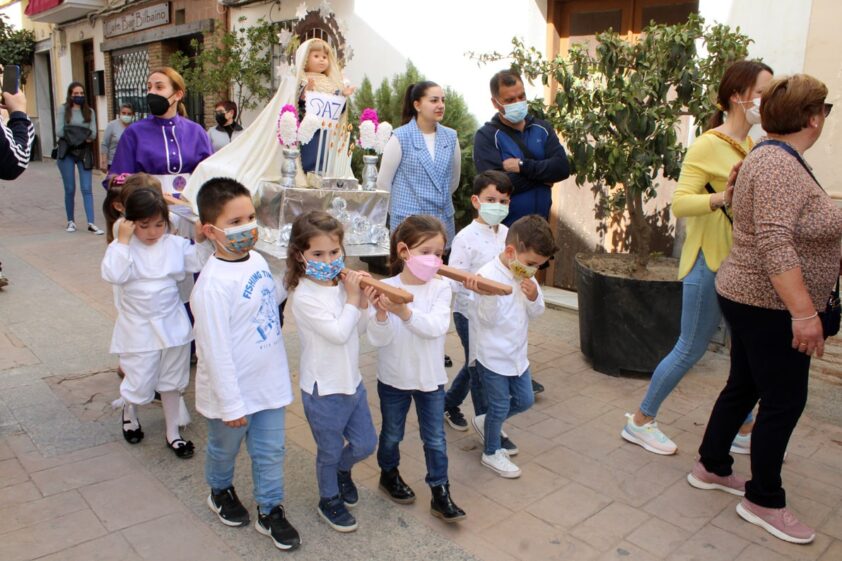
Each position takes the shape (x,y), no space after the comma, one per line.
(335,513)
(537,387)
(347,489)
(509,446)
(448,362)
(276,526)
(227,506)
(456,419)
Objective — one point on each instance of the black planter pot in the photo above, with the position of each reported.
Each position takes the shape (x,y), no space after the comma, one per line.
(626,326)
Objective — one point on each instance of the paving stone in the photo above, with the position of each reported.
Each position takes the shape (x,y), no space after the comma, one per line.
(112,547)
(609,526)
(11,472)
(40,512)
(34,461)
(833,553)
(569,506)
(129,500)
(625,551)
(710,544)
(19,493)
(530,539)
(82,473)
(65,532)
(658,537)
(176,537)
(688,507)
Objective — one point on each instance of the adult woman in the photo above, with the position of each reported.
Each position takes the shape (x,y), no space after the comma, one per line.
(114,130)
(76,132)
(226,128)
(781,270)
(702,197)
(422,161)
(166,144)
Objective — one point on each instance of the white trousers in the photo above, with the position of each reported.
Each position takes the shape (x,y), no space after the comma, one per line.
(166,370)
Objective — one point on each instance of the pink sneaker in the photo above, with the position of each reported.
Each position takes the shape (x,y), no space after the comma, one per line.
(779,522)
(700,478)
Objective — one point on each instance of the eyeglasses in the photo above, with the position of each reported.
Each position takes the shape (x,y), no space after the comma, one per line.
(827,108)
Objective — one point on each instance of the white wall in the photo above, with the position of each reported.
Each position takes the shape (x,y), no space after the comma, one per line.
(434,35)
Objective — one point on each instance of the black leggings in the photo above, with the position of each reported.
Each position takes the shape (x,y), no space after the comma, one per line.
(764,366)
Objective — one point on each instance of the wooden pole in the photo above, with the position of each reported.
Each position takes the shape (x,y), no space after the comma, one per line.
(396,295)
(488,285)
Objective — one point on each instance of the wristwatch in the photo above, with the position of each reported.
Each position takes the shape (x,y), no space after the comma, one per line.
(520,164)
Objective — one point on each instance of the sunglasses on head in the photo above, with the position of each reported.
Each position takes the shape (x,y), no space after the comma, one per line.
(827,108)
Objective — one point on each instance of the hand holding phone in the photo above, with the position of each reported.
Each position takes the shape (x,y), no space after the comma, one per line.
(13,97)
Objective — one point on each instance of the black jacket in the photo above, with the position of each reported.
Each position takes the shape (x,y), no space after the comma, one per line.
(74,143)
(15,145)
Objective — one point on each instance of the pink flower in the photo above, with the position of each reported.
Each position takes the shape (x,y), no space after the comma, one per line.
(370,114)
(289,108)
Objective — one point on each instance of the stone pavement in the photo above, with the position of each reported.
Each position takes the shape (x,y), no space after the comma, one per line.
(71,488)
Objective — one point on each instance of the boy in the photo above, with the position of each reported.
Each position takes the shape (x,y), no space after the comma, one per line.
(242,379)
(502,332)
(474,246)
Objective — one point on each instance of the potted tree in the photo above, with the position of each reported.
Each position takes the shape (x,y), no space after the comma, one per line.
(619,110)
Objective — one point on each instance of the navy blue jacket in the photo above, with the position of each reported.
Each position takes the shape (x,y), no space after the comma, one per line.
(492,146)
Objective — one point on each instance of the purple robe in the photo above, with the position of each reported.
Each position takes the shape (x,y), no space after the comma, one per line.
(160,147)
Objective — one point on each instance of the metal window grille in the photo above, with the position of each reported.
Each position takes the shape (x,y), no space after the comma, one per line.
(129,70)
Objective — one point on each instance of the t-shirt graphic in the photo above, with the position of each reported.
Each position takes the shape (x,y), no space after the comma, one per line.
(267,319)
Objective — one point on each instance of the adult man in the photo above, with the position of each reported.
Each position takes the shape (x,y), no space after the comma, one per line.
(524,147)
(16,139)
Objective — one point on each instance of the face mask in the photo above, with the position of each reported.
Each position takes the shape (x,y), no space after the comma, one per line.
(322,271)
(240,239)
(78,99)
(220,119)
(424,267)
(127,119)
(753,113)
(158,104)
(520,270)
(493,213)
(515,112)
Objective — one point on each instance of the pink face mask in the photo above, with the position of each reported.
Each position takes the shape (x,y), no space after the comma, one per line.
(424,267)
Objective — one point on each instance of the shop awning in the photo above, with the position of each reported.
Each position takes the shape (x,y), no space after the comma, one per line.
(61,11)
(38,6)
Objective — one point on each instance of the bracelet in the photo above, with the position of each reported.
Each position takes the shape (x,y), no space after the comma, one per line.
(816,314)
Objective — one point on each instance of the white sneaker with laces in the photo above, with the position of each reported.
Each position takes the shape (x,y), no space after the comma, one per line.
(71,226)
(478,423)
(500,463)
(741,444)
(92,228)
(649,436)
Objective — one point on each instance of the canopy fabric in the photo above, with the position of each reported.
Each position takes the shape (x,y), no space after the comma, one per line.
(38,6)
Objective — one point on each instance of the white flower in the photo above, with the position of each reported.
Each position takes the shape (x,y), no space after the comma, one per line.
(301,12)
(308,127)
(283,68)
(325,8)
(287,129)
(284,37)
(368,138)
(384,132)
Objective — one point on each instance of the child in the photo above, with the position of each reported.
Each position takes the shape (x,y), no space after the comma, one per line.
(410,364)
(119,188)
(152,334)
(317,70)
(502,331)
(242,378)
(330,315)
(474,246)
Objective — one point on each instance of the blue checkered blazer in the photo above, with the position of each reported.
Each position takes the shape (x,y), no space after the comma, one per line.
(421,185)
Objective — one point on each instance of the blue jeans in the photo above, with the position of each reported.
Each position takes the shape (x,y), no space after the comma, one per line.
(507,396)
(467,378)
(334,419)
(394,406)
(68,177)
(264,435)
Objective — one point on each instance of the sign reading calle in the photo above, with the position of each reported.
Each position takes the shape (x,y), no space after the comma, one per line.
(142,18)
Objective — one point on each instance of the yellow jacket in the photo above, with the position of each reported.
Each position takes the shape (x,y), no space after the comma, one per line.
(708,160)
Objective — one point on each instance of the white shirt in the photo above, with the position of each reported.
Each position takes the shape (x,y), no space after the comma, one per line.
(475,245)
(242,361)
(411,353)
(392,155)
(150,312)
(503,323)
(329,331)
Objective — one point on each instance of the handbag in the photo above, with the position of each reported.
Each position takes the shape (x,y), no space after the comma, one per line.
(831,317)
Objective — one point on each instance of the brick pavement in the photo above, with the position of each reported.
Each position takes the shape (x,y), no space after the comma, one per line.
(70,488)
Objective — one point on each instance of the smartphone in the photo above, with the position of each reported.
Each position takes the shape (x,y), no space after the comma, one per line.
(11,78)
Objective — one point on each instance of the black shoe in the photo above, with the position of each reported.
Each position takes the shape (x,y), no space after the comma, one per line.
(536,387)
(227,506)
(131,436)
(156,397)
(509,446)
(181,448)
(347,489)
(447,362)
(442,506)
(276,526)
(394,486)
(335,513)
(456,419)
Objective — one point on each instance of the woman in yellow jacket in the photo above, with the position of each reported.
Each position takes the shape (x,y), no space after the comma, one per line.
(702,197)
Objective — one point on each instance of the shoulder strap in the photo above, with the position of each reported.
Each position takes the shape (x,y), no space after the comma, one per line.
(711,190)
(733,143)
(792,152)
(511,134)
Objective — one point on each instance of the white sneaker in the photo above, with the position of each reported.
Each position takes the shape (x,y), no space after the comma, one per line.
(649,436)
(501,463)
(71,226)
(92,228)
(478,423)
(741,444)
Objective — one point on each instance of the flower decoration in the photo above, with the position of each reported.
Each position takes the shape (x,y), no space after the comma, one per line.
(301,11)
(287,128)
(370,114)
(373,133)
(368,136)
(284,37)
(308,127)
(384,133)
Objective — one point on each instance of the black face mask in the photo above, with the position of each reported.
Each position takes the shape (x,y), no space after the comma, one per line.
(158,104)
(220,119)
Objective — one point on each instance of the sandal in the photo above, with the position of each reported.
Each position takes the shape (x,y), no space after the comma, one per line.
(181,448)
(132,436)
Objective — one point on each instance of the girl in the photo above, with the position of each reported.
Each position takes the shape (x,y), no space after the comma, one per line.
(76,133)
(119,189)
(422,161)
(317,70)
(703,197)
(330,315)
(152,334)
(410,364)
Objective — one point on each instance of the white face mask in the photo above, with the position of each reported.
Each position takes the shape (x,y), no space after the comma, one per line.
(753,112)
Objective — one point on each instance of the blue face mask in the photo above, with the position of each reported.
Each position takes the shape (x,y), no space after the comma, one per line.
(79,99)
(515,112)
(321,271)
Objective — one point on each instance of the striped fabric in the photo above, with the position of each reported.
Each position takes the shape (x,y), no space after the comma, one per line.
(15,146)
(421,184)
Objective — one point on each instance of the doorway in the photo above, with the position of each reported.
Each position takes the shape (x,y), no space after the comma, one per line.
(44,101)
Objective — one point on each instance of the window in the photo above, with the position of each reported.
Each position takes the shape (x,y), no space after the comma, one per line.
(129,70)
